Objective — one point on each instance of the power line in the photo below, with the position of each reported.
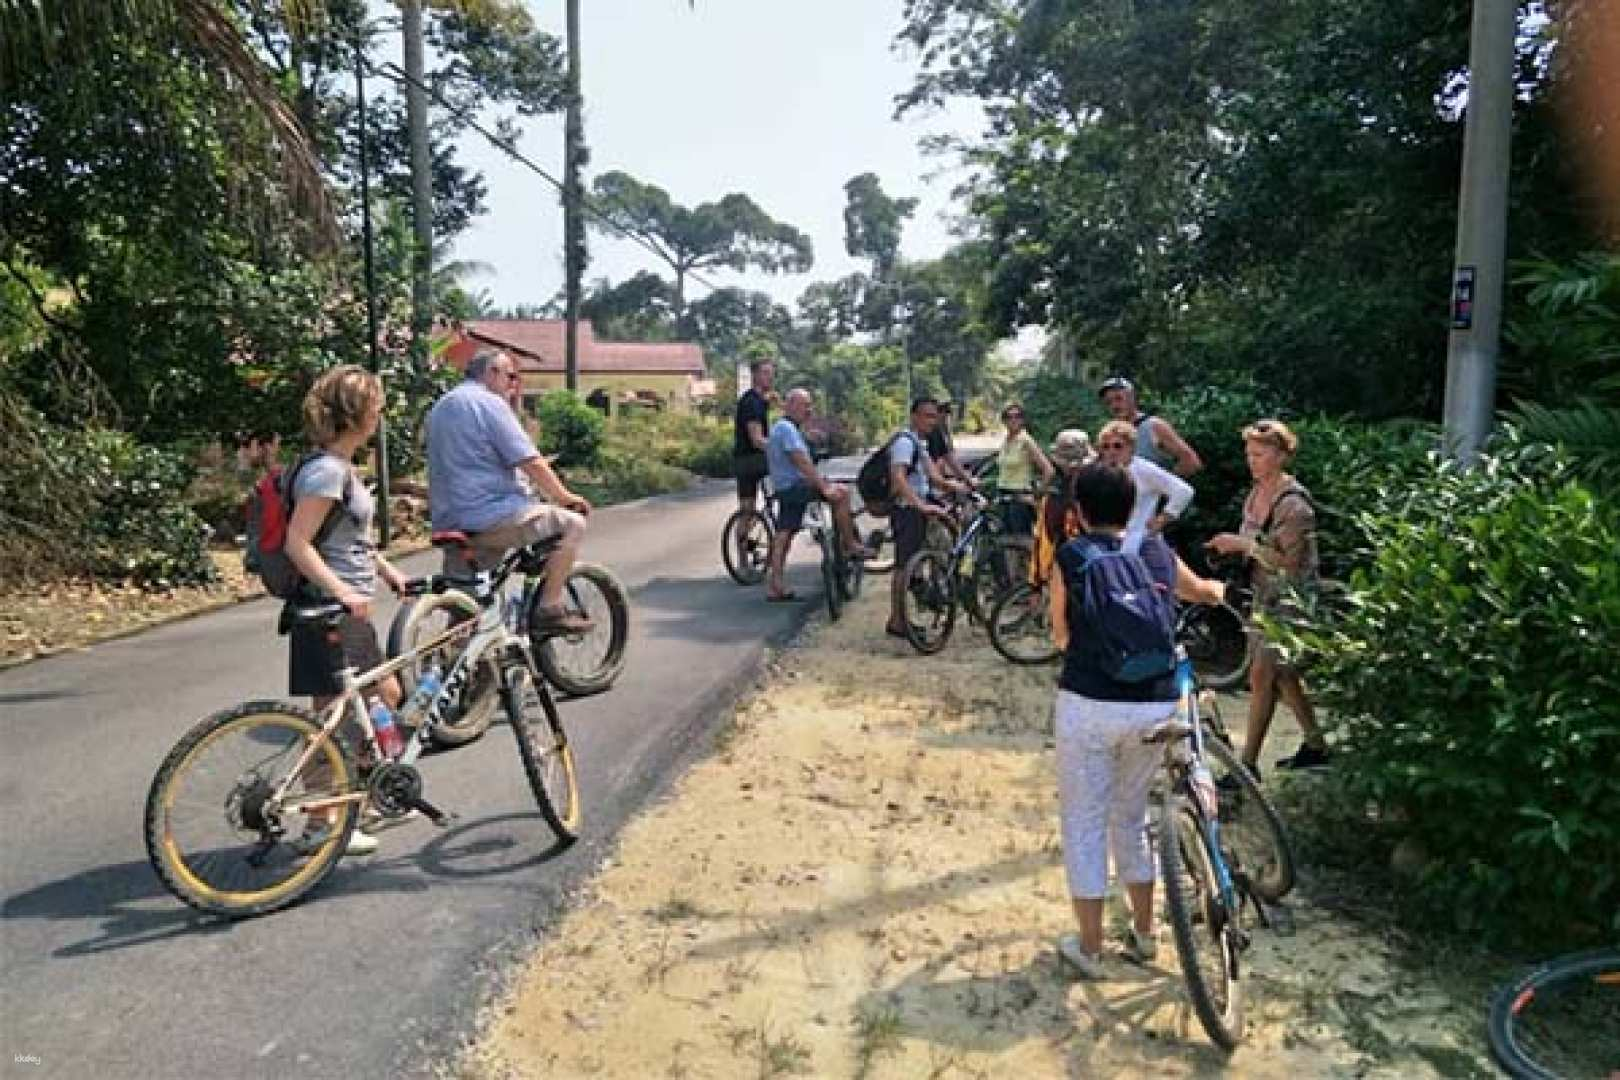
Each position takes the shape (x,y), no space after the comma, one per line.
(587,202)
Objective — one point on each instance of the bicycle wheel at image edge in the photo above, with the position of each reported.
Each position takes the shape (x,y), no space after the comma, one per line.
(1251,828)
(588,663)
(1021,627)
(745,545)
(419,621)
(830,584)
(212,833)
(928,601)
(1561,1019)
(1204,931)
(548,758)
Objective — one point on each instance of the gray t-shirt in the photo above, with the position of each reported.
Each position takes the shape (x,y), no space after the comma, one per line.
(906,444)
(475,444)
(347,549)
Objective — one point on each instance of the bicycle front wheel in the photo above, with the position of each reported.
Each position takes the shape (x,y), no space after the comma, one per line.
(1021,626)
(928,600)
(588,663)
(1218,645)
(1206,932)
(215,833)
(1000,563)
(1251,829)
(1561,1019)
(745,545)
(548,759)
(831,574)
(422,620)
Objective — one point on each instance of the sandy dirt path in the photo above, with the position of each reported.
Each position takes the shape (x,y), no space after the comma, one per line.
(864,880)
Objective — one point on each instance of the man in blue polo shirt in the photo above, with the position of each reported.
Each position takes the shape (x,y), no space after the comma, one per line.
(797,484)
(476,449)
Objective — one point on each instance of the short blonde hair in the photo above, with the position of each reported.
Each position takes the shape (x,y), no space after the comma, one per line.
(1274,433)
(1123,428)
(339,402)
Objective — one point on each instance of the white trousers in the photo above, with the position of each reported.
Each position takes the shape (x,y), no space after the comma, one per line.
(1104,774)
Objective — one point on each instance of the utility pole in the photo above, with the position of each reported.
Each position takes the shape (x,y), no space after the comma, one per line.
(386,536)
(573,224)
(416,112)
(1477,278)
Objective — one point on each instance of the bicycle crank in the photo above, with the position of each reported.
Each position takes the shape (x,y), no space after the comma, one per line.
(396,790)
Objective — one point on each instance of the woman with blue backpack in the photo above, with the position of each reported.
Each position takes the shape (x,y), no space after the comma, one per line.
(1112,616)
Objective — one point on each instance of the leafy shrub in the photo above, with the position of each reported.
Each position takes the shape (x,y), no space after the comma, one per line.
(624,474)
(1471,682)
(141,528)
(95,502)
(570,428)
(694,443)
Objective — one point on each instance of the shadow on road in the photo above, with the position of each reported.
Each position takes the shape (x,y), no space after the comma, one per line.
(134,909)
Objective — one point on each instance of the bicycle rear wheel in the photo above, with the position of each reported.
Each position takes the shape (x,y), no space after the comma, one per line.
(1251,829)
(418,622)
(548,759)
(928,600)
(1207,934)
(214,833)
(1217,642)
(1021,626)
(588,663)
(1561,1019)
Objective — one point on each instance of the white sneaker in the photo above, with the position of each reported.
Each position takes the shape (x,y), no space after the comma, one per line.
(1087,967)
(1142,949)
(314,839)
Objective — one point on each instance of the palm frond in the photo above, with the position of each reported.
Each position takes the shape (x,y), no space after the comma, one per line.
(1588,432)
(42,35)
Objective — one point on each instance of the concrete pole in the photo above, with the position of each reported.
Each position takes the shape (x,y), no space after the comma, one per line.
(1478,276)
(385,530)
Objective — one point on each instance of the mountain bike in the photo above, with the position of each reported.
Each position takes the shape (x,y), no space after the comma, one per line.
(1208,885)
(984,561)
(841,575)
(577,664)
(1560,1019)
(255,804)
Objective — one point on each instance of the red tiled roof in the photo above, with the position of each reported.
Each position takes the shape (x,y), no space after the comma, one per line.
(538,345)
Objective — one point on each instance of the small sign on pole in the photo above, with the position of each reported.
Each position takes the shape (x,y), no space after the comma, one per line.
(1462,299)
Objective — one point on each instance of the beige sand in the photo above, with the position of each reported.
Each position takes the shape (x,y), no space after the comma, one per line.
(865,881)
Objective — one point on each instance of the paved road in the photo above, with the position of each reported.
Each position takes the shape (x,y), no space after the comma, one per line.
(378,973)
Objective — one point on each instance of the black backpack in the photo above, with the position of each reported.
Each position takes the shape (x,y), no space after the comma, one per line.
(874,480)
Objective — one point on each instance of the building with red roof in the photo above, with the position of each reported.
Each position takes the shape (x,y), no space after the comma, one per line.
(611,373)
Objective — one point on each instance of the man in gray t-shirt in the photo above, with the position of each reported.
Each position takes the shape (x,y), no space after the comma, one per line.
(476,451)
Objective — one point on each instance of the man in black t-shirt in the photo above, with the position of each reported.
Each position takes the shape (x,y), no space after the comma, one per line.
(942,448)
(752,432)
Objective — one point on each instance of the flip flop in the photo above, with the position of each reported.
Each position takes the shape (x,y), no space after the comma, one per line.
(785,598)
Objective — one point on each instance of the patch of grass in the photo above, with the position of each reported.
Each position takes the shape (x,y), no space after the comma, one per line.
(773,1057)
(877,1034)
(677,908)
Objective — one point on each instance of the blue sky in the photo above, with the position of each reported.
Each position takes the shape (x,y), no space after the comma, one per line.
(784,100)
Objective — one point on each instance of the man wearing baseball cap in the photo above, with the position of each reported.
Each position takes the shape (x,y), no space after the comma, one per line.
(1157,440)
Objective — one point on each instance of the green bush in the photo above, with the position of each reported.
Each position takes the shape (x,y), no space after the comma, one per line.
(570,428)
(694,443)
(141,528)
(1472,686)
(624,474)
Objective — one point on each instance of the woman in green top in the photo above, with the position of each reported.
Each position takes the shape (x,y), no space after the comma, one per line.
(1016,466)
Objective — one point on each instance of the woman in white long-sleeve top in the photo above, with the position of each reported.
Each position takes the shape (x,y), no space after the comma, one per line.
(1161,495)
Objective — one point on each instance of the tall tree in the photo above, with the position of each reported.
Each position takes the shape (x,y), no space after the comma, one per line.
(873,222)
(733,232)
